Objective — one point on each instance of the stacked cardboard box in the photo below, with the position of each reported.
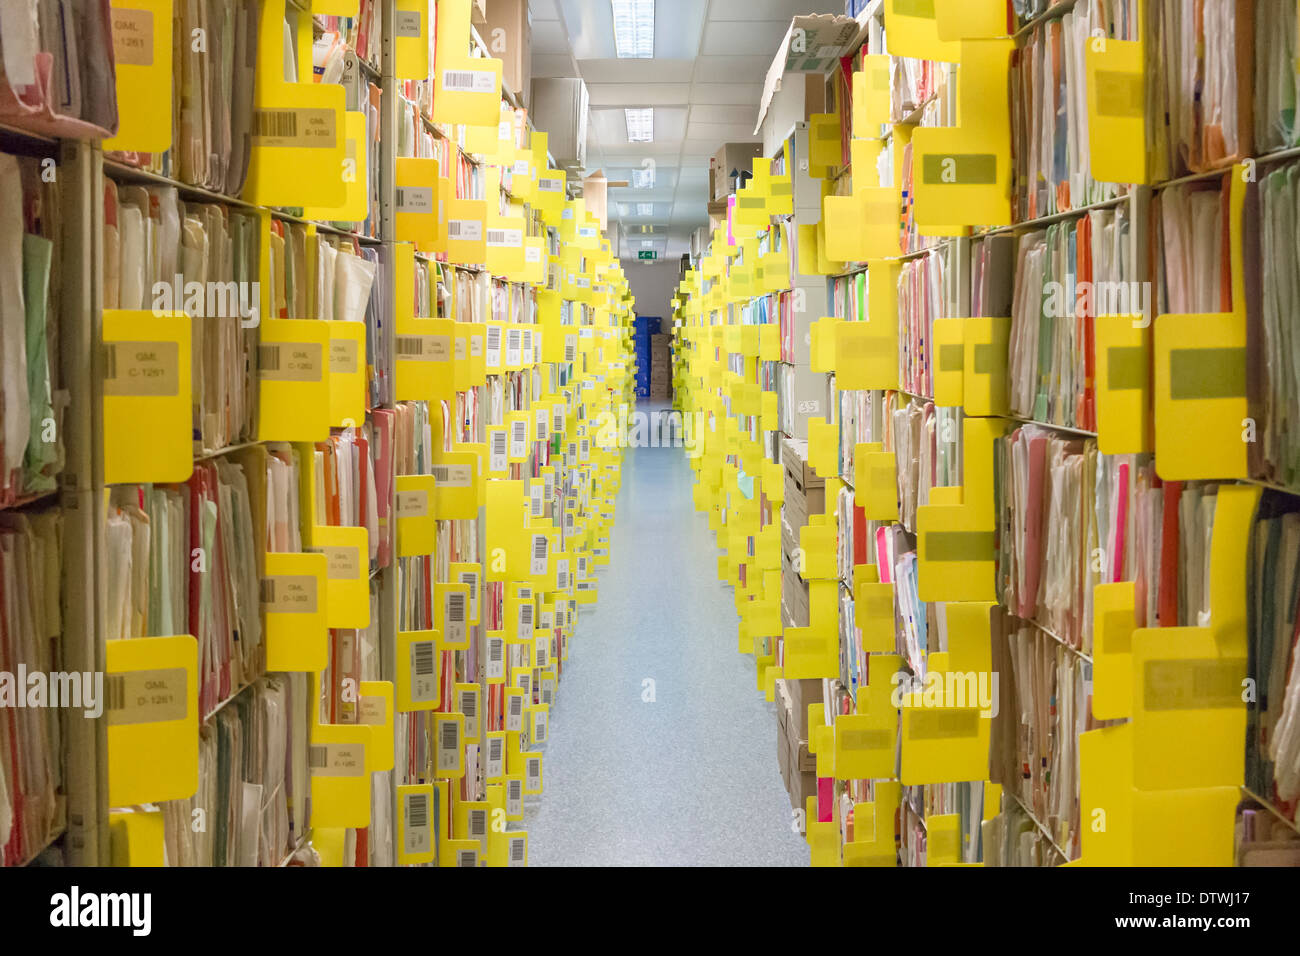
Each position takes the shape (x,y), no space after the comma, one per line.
(798,766)
(805,494)
(661,367)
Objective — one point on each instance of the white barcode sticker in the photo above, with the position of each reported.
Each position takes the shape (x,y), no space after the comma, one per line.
(406,23)
(543,420)
(570,348)
(495,756)
(562,574)
(467,858)
(539,555)
(453,618)
(514,798)
(471,578)
(546,619)
(513,343)
(496,665)
(548,483)
(478,823)
(415,199)
(541,647)
(539,726)
(453,476)
(515,713)
(505,238)
(337,759)
(424,674)
(518,850)
(533,774)
(497,436)
(551,184)
(465,230)
(493,346)
(532,254)
(535,501)
(448,744)
(416,836)
(468,704)
(524,629)
(468,81)
(518,440)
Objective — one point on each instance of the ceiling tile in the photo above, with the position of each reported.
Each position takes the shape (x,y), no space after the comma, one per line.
(742,37)
(726,94)
(543,10)
(634,71)
(552,65)
(781,10)
(750,69)
(639,94)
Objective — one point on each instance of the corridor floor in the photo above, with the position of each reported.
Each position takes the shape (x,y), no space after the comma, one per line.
(690,776)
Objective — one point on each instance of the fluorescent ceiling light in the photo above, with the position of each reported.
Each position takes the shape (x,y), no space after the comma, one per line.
(645,209)
(640,125)
(622,209)
(634,28)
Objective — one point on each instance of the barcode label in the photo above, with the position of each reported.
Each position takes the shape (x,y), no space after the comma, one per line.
(515,713)
(471,578)
(532,254)
(301,128)
(478,823)
(469,707)
(525,622)
(582,567)
(539,555)
(499,460)
(534,773)
(453,476)
(557,421)
(464,230)
(115,692)
(541,649)
(146,696)
(562,574)
(512,347)
(416,838)
(505,238)
(542,419)
(517,849)
(539,726)
(415,199)
(318,757)
(495,749)
(406,23)
(467,858)
(468,81)
(535,501)
(424,679)
(337,760)
(423,348)
(518,439)
(494,346)
(449,745)
(496,667)
(514,797)
(551,184)
(453,617)
(570,348)
(291,362)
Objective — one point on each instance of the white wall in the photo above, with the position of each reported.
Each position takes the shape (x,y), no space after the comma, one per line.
(652,285)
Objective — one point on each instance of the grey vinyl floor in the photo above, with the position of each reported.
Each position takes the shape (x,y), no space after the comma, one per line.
(690,778)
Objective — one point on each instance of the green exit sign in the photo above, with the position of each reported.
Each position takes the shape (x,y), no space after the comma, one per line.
(647,254)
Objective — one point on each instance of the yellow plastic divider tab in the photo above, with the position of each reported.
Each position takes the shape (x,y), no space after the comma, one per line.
(970,19)
(549,197)
(340,781)
(347,584)
(415,815)
(817,540)
(456,493)
(424,359)
(871,96)
(411,39)
(864,750)
(523,176)
(417,202)
(875,482)
(943,843)
(1201,409)
(534,270)
(963,173)
(297,149)
(329,843)
(1123,348)
(465,89)
(142,51)
(810,654)
(866,352)
(1113,623)
(865,224)
(347,375)
(955,532)
(293,371)
(826,749)
(507,554)
(355,175)
(147,379)
(417,526)
(505,246)
(449,731)
(949,362)
(376,707)
(137,837)
(293,600)
(1115,72)
(466,230)
(913,31)
(151,704)
(984,371)
(823,144)
(873,602)
(941,742)
(824,447)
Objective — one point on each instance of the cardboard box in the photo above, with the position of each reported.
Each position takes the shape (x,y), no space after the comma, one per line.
(732,158)
(794,592)
(512,45)
(595,194)
(801,693)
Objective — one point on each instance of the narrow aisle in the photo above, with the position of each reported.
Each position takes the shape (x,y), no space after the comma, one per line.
(691,777)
